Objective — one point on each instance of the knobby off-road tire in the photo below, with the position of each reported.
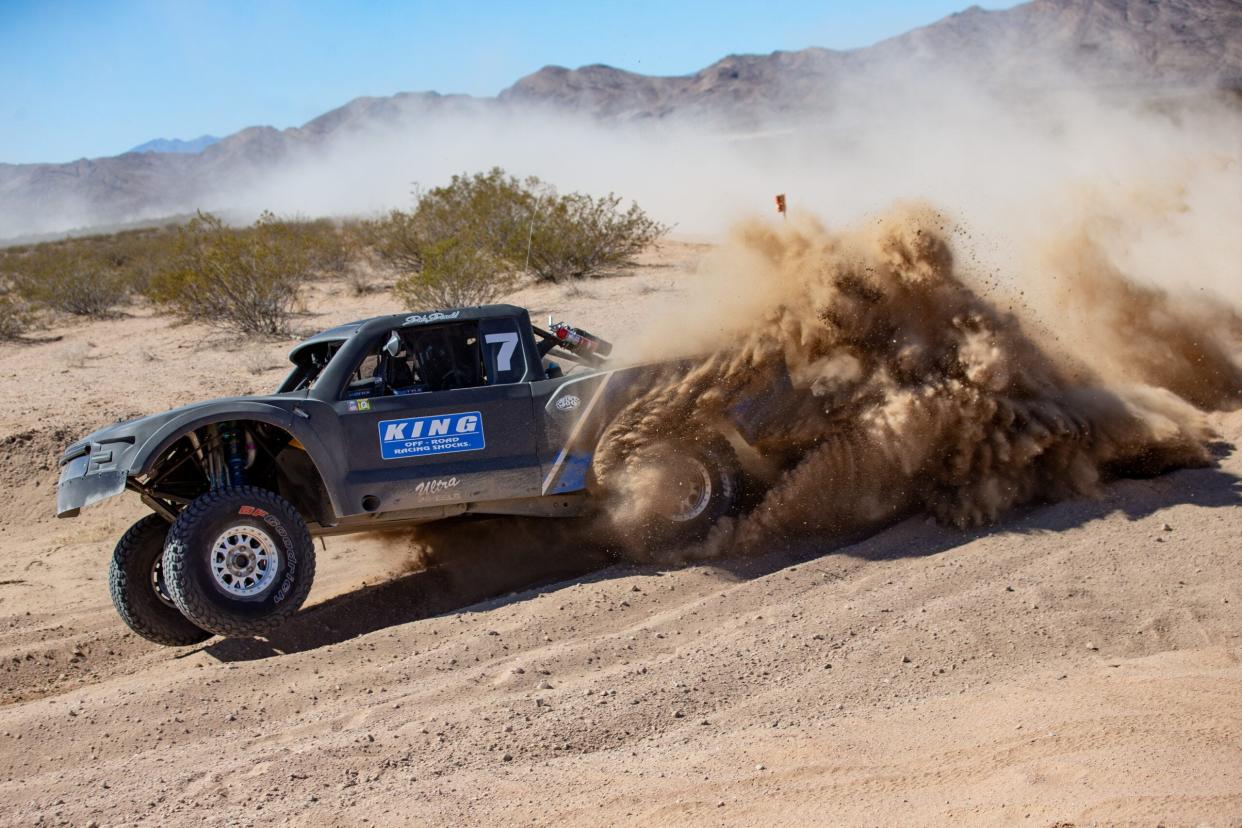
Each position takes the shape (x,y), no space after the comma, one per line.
(239,561)
(705,488)
(135,578)
(718,466)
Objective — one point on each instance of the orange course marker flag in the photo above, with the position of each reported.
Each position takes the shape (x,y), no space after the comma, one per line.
(780,203)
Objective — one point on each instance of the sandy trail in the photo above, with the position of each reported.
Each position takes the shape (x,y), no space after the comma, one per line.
(1079,663)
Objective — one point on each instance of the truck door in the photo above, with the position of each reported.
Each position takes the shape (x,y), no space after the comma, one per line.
(440,414)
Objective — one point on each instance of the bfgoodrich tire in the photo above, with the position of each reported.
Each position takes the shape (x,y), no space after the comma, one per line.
(239,561)
(699,484)
(139,589)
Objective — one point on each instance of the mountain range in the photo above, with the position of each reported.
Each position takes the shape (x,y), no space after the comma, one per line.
(175,145)
(1165,47)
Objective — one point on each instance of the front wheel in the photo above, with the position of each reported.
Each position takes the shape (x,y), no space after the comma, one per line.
(140,592)
(239,561)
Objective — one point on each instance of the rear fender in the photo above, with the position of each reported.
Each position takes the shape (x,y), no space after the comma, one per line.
(757,412)
(578,410)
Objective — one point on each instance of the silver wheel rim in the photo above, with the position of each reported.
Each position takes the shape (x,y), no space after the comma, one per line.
(692,484)
(157,583)
(244,560)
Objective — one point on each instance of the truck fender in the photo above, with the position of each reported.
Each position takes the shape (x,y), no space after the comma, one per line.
(174,430)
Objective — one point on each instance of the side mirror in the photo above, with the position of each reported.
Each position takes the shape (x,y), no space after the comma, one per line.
(393,345)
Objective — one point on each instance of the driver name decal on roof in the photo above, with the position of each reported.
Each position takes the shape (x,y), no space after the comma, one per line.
(424,318)
(422,436)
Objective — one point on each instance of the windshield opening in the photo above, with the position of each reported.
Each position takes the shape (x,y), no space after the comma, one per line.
(308,364)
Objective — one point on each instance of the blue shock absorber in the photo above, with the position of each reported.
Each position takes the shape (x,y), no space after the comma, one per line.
(233,454)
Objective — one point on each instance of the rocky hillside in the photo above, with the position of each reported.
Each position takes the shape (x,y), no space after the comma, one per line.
(1135,42)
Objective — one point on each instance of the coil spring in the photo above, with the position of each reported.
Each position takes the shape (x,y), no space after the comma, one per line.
(230,438)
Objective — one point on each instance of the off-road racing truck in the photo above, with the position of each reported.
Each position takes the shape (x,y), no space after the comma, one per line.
(391,421)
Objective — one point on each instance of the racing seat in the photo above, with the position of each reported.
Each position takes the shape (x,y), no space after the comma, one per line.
(400,374)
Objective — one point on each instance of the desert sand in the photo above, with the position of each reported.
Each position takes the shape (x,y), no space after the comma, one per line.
(1077,663)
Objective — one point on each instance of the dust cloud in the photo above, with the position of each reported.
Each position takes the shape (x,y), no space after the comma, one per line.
(1053,302)
(909,390)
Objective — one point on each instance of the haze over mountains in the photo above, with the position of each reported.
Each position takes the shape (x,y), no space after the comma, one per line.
(1118,46)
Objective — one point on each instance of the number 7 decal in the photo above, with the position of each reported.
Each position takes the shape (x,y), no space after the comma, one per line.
(508,344)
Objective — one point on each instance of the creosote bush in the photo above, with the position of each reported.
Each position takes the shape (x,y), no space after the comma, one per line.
(86,276)
(331,248)
(454,274)
(81,283)
(93,275)
(576,236)
(514,227)
(14,315)
(245,279)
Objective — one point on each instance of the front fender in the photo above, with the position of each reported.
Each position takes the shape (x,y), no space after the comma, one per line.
(99,466)
(176,428)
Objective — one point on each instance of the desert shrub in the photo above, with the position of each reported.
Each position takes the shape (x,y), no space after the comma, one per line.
(454,274)
(139,255)
(398,241)
(514,226)
(457,246)
(88,275)
(331,249)
(14,315)
(577,236)
(488,210)
(246,279)
(491,210)
(73,280)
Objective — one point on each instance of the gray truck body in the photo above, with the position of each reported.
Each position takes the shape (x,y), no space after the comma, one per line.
(520,443)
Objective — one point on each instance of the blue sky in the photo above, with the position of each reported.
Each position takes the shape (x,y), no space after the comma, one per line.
(84,79)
